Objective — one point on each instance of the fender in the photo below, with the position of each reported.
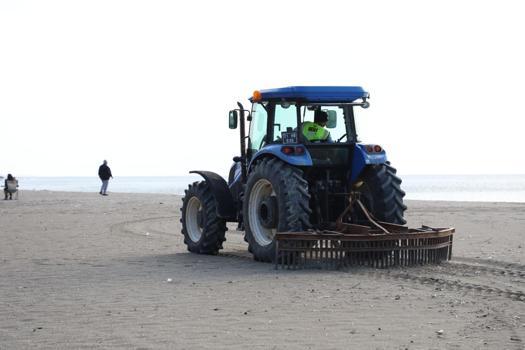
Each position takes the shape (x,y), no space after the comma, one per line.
(361,159)
(275,150)
(221,193)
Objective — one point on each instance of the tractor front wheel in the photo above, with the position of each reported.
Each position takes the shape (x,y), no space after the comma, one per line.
(203,231)
(276,200)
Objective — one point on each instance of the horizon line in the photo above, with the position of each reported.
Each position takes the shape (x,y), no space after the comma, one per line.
(191,175)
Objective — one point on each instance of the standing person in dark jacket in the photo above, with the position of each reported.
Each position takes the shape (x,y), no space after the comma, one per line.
(104,172)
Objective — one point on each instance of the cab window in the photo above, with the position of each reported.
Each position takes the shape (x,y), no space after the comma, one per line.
(337,131)
(285,124)
(258,127)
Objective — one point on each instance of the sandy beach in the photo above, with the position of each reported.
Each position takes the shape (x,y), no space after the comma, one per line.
(82,271)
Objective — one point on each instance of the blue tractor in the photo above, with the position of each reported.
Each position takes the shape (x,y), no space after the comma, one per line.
(285,180)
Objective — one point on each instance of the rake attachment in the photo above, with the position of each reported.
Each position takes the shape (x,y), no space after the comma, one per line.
(379,245)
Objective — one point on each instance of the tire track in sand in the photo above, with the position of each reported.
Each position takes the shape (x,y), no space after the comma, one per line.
(489,268)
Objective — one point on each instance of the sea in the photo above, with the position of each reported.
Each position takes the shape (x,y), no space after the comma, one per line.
(478,188)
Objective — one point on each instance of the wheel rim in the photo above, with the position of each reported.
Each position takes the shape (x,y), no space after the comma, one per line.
(193,212)
(261,190)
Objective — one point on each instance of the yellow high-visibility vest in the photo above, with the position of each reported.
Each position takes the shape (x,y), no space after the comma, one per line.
(314,132)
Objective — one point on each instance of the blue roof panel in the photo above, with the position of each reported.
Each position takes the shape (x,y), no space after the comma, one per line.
(315,93)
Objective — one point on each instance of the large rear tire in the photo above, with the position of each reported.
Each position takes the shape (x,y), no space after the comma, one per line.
(203,230)
(381,193)
(276,200)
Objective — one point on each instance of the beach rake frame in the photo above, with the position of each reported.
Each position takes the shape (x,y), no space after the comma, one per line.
(378,245)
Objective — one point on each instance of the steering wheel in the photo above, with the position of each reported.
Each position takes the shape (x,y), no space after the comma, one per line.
(342,137)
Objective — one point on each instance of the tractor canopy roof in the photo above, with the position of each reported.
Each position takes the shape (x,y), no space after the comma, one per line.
(311,94)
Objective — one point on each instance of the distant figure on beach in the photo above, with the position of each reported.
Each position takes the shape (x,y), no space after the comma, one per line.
(104,172)
(10,186)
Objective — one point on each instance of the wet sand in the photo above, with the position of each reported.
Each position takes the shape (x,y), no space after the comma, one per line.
(82,271)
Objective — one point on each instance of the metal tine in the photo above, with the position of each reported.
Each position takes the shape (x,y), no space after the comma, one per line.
(403,253)
(327,254)
(328,257)
(325,257)
(424,251)
(382,254)
(312,253)
(342,256)
(396,255)
(332,246)
(292,257)
(307,257)
(407,253)
(301,255)
(297,256)
(411,252)
(416,259)
(333,263)
(281,258)
(418,251)
(331,253)
(288,256)
(319,254)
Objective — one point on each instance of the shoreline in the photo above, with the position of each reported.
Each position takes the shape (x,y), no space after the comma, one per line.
(180,195)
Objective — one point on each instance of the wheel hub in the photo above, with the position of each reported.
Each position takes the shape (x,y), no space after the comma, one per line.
(268,212)
(200,220)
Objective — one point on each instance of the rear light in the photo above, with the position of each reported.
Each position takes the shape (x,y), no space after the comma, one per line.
(293,151)
(287,150)
(373,149)
(299,150)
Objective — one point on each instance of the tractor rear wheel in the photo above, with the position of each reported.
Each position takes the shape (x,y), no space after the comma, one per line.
(203,231)
(276,200)
(381,193)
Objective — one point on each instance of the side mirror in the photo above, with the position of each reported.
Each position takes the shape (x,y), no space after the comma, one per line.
(332,119)
(233,119)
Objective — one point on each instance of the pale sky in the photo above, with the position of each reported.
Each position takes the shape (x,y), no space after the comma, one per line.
(148,84)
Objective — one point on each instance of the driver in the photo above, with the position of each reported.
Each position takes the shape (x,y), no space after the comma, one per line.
(315,131)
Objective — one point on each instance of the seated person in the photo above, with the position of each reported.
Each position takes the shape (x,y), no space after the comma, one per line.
(10,186)
(315,131)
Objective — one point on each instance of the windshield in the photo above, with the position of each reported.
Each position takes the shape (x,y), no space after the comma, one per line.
(257,127)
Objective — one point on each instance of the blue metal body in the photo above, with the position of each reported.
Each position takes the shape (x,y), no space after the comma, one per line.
(315,93)
(361,159)
(275,150)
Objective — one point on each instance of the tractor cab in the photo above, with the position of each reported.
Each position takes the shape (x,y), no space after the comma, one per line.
(283,125)
(287,116)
